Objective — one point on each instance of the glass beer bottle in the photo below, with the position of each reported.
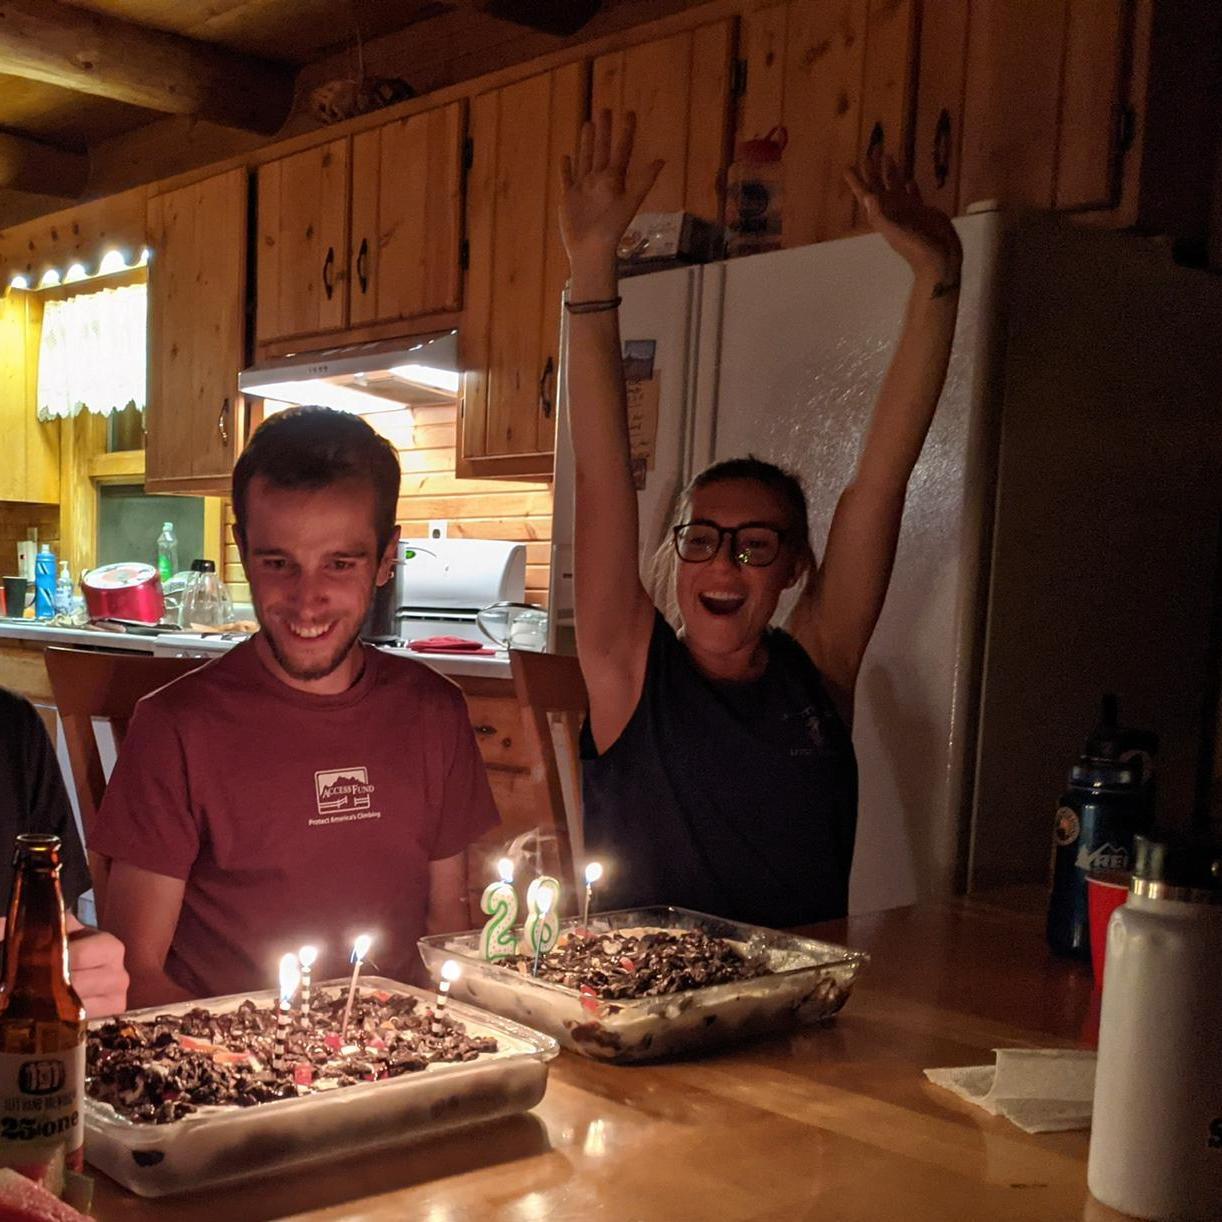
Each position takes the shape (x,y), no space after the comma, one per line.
(42,1024)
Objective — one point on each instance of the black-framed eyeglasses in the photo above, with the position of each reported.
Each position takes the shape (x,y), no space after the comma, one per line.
(755,544)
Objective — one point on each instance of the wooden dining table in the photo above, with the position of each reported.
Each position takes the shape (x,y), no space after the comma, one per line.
(835,1123)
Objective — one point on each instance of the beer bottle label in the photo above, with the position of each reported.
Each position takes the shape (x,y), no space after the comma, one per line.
(42,1107)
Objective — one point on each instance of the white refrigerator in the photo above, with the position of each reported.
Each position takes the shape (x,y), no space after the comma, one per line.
(1061,534)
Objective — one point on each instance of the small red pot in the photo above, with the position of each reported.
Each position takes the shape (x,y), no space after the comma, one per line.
(124,591)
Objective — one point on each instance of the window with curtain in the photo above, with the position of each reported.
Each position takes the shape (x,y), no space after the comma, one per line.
(92,353)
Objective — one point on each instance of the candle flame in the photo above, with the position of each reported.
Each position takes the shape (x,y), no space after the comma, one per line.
(594,871)
(505,869)
(545,900)
(450,971)
(290,978)
(306,957)
(360,948)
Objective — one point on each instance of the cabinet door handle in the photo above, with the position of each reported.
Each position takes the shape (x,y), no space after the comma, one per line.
(222,422)
(941,148)
(362,265)
(484,730)
(328,273)
(878,140)
(545,388)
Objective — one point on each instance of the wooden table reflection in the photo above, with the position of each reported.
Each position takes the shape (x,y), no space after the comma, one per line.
(832,1123)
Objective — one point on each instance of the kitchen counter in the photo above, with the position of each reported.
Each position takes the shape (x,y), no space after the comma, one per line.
(836,1121)
(50,634)
(191,644)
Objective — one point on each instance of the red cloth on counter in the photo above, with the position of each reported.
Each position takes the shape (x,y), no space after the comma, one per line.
(449,644)
(295,818)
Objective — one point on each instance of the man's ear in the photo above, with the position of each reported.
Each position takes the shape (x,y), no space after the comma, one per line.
(387,561)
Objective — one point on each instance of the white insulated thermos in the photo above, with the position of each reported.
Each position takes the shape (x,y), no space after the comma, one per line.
(1156,1132)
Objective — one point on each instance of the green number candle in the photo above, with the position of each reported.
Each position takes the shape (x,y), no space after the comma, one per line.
(500,902)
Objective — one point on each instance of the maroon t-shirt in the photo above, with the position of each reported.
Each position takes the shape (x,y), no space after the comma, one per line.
(295,818)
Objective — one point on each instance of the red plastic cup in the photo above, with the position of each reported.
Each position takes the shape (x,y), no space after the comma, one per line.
(1105,892)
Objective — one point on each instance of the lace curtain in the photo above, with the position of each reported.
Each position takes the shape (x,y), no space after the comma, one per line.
(92,353)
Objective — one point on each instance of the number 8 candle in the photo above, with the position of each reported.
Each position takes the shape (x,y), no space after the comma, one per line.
(542,926)
(500,902)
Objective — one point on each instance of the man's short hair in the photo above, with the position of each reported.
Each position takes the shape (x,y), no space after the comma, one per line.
(315,447)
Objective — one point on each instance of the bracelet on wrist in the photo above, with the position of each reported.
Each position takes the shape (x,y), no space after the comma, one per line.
(593,307)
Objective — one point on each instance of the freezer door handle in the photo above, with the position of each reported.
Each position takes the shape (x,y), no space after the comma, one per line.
(546,388)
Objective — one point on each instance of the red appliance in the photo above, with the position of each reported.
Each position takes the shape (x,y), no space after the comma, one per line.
(126,591)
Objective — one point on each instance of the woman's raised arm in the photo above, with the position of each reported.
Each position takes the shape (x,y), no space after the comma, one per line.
(836,615)
(602,193)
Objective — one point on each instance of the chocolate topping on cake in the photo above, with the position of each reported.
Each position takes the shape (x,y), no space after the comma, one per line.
(649,963)
(160,1070)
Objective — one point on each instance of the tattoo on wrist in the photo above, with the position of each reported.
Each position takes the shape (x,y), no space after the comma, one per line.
(944,288)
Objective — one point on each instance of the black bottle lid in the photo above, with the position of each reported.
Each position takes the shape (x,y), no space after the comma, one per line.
(1105,774)
(1109,740)
(1191,862)
(203,566)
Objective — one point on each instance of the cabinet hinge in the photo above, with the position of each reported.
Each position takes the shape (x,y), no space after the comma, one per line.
(464,254)
(1127,128)
(468,153)
(738,78)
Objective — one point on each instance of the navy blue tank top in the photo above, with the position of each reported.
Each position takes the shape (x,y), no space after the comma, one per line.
(736,799)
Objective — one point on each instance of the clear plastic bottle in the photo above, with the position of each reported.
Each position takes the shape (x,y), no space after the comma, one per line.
(206,601)
(63,590)
(167,552)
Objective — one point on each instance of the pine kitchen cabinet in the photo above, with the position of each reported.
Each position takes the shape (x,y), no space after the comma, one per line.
(511,319)
(837,76)
(197,333)
(363,230)
(680,88)
(30,467)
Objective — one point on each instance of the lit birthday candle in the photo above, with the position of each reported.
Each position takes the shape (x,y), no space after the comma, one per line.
(290,977)
(500,902)
(594,872)
(306,957)
(450,972)
(360,948)
(542,926)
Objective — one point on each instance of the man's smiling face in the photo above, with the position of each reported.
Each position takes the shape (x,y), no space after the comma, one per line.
(312,558)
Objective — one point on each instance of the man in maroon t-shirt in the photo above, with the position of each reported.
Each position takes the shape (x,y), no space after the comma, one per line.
(305,787)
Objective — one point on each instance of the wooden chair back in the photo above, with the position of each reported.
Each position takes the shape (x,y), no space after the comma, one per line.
(552,694)
(107,686)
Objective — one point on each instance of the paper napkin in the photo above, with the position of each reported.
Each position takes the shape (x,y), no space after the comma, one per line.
(1042,1090)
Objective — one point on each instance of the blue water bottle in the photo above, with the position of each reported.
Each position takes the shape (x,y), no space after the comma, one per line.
(44,583)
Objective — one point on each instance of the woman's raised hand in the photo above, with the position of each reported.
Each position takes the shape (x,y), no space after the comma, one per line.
(919,232)
(603,191)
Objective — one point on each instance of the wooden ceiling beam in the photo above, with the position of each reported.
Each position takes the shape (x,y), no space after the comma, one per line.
(47,40)
(28,165)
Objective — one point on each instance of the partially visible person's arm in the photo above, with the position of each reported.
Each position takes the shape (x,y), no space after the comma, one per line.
(839,609)
(614,614)
(142,910)
(95,960)
(449,911)
(49,809)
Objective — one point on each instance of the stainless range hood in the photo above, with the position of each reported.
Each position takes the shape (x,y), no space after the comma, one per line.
(362,378)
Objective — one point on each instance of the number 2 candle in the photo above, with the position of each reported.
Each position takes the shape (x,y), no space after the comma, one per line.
(500,902)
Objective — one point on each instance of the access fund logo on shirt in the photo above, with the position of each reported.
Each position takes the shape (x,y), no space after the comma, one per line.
(343,795)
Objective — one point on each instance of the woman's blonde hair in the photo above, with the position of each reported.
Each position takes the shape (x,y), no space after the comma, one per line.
(786,485)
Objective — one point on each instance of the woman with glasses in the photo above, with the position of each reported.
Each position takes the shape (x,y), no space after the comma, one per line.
(718,766)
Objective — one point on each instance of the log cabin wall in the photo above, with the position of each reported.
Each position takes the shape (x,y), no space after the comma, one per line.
(520,510)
